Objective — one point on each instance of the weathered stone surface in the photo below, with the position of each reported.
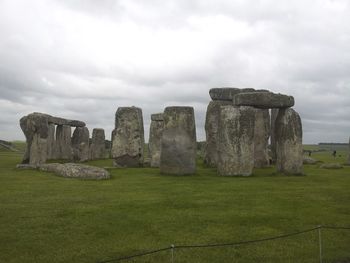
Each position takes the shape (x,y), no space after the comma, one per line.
(98,145)
(155,137)
(80,144)
(36,129)
(331,166)
(63,142)
(128,137)
(178,145)
(74,170)
(236,141)
(264,100)
(157,117)
(211,131)
(226,93)
(261,138)
(51,144)
(274,113)
(349,152)
(62,121)
(309,160)
(289,148)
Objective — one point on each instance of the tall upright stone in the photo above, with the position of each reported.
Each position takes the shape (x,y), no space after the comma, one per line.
(261,138)
(349,152)
(80,144)
(51,142)
(63,142)
(155,137)
(274,113)
(236,141)
(128,138)
(211,131)
(289,147)
(35,127)
(178,144)
(98,146)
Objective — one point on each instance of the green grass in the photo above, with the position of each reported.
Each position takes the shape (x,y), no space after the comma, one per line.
(45,218)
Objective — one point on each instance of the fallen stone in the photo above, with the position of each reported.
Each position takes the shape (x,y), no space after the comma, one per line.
(98,145)
(178,144)
(75,170)
(80,144)
(128,138)
(155,137)
(309,160)
(236,141)
(331,166)
(264,100)
(289,147)
(212,130)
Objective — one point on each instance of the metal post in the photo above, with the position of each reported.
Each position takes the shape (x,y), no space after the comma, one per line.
(172,253)
(320,241)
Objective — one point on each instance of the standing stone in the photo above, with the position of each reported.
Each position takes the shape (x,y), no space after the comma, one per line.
(274,113)
(51,142)
(178,145)
(36,129)
(128,138)
(349,152)
(80,144)
(289,147)
(211,131)
(98,147)
(236,141)
(63,142)
(261,138)
(155,137)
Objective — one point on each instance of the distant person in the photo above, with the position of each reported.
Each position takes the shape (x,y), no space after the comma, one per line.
(309,153)
(334,153)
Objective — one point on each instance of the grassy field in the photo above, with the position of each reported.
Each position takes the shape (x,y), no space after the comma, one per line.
(45,218)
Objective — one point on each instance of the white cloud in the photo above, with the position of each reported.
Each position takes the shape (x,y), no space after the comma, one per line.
(83,59)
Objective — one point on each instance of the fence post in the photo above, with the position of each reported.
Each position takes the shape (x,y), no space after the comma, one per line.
(320,241)
(172,252)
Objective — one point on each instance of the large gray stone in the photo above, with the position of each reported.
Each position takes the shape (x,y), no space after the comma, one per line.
(80,144)
(264,100)
(178,145)
(226,93)
(62,121)
(51,144)
(98,146)
(128,137)
(211,131)
(261,138)
(289,147)
(155,137)
(236,141)
(75,170)
(349,152)
(36,130)
(274,113)
(63,142)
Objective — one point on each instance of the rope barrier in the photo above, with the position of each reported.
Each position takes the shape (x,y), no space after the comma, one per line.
(172,247)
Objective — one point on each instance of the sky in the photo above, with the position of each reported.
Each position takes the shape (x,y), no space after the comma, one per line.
(82,59)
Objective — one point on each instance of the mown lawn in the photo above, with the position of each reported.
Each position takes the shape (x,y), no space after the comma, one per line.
(45,218)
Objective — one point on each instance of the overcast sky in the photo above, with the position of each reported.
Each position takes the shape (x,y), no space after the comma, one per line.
(82,59)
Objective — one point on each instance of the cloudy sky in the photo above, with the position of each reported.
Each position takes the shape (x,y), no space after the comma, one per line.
(82,59)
